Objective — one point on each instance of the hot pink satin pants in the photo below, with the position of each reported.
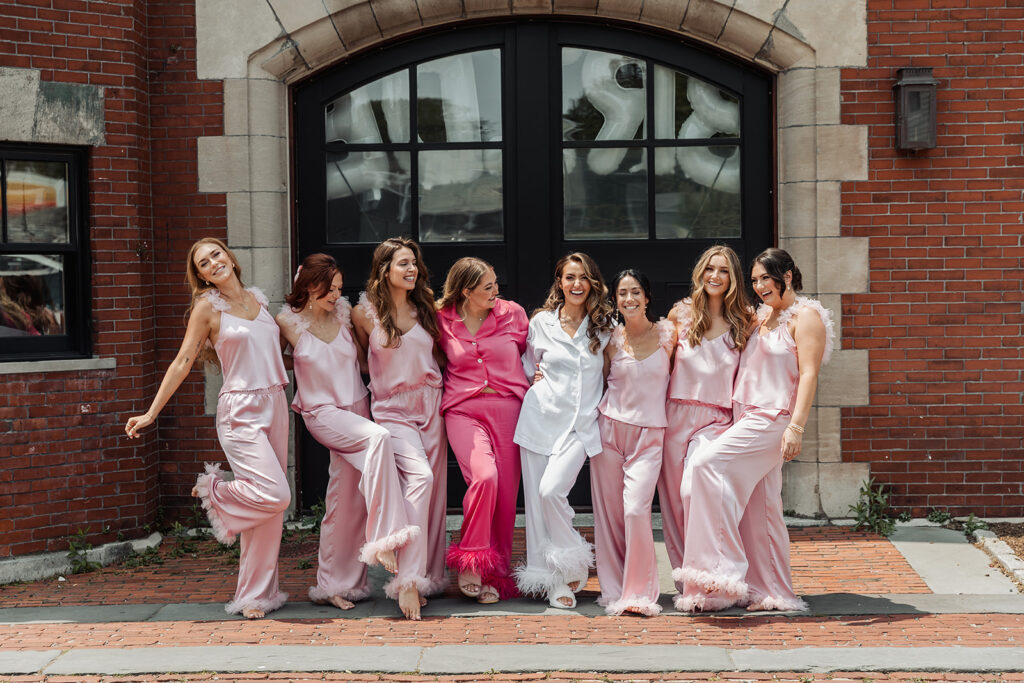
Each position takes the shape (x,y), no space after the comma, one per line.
(480,431)
(737,545)
(364,478)
(622,482)
(253,431)
(417,432)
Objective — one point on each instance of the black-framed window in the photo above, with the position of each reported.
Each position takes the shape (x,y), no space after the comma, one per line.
(44,303)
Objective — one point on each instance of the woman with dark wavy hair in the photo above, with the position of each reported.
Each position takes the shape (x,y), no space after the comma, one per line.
(395,323)
(557,427)
(739,552)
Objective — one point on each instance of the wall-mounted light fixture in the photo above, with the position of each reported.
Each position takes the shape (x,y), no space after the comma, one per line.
(915,108)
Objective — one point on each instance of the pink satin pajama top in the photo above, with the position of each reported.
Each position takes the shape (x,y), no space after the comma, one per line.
(408,366)
(326,373)
(249,350)
(704,373)
(636,388)
(769,371)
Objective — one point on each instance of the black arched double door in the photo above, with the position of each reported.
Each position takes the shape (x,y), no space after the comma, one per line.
(520,142)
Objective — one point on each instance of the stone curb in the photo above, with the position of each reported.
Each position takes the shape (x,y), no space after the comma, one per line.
(45,565)
(1001,553)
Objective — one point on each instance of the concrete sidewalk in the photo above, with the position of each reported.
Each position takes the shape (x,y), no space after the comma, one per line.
(967,617)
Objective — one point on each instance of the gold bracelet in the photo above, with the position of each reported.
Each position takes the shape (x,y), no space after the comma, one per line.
(795,427)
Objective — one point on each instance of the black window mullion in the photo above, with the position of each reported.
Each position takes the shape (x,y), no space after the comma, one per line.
(3,202)
(414,155)
(650,149)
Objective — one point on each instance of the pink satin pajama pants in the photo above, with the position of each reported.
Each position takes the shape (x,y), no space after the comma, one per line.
(364,478)
(622,482)
(253,431)
(480,431)
(690,425)
(737,545)
(417,433)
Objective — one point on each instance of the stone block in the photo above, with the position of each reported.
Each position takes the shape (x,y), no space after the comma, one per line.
(223,163)
(829,208)
(222,49)
(18,105)
(356,25)
(845,259)
(531,6)
(278,60)
(439,11)
(268,164)
(804,253)
(833,302)
(318,43)
(239,216)
(584,7)
(809,443)
(797,157)
(844,380)
(69,114)
(829,435)
(665,13)
(294,14)
(270,227)
(706,18)
(839,486)
(842,152)
(765,10)
(782,51)
(236,106)
(800,488)
(268,104)
(744,34)
(211,388)
(837,29)
(796,98)
(797,210)
(487,8)
(270,273)
(624,9)
(827,95)
(396,16)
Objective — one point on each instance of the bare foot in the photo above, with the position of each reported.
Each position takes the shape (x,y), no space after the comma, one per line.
(340,602)
(409,602)
(633,609)
(469,584)
(574,586)
(388,560)
(423,601)
(253,613)
(488,595)
(195,491)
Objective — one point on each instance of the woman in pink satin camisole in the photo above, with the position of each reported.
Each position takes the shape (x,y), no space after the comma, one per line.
(623,476)
(365,505)
(395,323)
(713,325)
(744,556)
(230,325)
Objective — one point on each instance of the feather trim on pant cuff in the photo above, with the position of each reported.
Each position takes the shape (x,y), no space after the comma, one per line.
(265,604)
(204,487)
(702,603)
(399,583)
(710,582)
(483,561)
(646,607)
(572,563)
(368,553)
(763,603)
(535,581)
(323,595)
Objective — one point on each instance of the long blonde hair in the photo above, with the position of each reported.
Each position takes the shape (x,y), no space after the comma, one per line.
(735,307)
(199,287)
(598,307)
(378,290)
(466,273)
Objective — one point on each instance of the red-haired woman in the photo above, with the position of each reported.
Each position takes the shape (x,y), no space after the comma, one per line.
(395,323)
(740,549)
(713,326)
(365,505)
(557,429)
(252,418)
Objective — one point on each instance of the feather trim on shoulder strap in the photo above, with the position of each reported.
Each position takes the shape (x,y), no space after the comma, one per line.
(343,311)
(666,334)
(218,302)
(260,297)
(369,310)
(684,315)
(804,303)
(294,319)
(763,311)
(618,336)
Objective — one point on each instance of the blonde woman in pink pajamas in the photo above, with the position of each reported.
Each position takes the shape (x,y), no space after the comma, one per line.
(395,323)
(231,325)
(624,475)
(713,326)
(737,545)
(483,338)
(365,503)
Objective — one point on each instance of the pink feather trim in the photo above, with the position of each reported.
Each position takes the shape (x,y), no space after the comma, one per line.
(710,582)
(321,595)
(486,561)
(267,605)
(702,603)
(368,553)
(204,487)
(399,583)
(648,608)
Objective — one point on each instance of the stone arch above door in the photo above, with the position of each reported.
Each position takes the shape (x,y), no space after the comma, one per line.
(259,47)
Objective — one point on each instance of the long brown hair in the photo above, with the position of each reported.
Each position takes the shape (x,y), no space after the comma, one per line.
(735,307)
(464,274)
(378,290)
(199,287)
(315,275)
(598,307)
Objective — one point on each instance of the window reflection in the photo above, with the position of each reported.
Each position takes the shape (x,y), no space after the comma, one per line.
(458,98)
(600,205)
(461,195)
(699,196)
(368,196)
(687,108)
(37,201)
(377,112)
(31,295)
(603,96)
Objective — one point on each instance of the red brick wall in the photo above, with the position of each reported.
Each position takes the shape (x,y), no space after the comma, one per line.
(66,464)
(942,321)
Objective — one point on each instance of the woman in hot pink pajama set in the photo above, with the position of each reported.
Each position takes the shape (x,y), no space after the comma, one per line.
(365,503)
(252,419)
(738,548)
(483,338)
(713,325)
(624,475)
(395,322)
